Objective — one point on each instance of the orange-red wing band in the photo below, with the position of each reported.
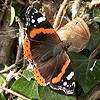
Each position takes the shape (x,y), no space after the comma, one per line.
(38,77)
(27,51)
(36,31)
(60,75)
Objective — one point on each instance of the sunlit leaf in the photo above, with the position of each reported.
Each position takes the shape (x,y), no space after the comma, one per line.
(12,15)
(3,75)
(26,88)
(97,19)
(2,97)
(28,75)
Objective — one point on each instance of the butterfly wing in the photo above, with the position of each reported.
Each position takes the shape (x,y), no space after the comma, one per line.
(36,23)
(66,83)
(43,49)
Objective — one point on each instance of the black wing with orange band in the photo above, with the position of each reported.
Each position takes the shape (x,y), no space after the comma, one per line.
(44,50)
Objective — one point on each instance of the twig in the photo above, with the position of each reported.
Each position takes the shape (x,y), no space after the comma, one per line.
(11,67)
(75,8)
(7,69)
(68,19)
(2,12)
(20,2)
(15,30)
(16,75)
(95,52)
(8,79)
(95,2)
(59,14)
(3,76)
(11,73)
(14,93)
(85,16)
(21,32)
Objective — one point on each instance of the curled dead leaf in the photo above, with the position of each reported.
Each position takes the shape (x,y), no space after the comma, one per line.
(75,32)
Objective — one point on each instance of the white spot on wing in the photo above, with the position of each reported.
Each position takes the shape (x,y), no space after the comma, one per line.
(65,83)
(70,76)
(36,11)
(28,19)
(34,25)
(31,16)
(73,84)
(33,21)
(70,85)
(70,92)
(62,80)
(27,24)
(41,19)
(32,13)
(28,10)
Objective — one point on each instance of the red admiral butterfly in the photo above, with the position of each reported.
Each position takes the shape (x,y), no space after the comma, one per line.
(47,53)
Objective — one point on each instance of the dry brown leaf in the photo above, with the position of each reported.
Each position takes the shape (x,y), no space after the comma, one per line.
(75,32)
(49,9)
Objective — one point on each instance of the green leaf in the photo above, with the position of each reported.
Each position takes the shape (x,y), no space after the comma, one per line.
(31,90)
(1,80)
(96,13)
(2,76)
(88,21)
(97,19)
(94,40)
(87,72)
(26,88)
(47,94)
(12,15)
(2,97)
(28,74)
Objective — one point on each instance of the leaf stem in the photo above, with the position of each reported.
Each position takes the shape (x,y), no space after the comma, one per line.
(14,93)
